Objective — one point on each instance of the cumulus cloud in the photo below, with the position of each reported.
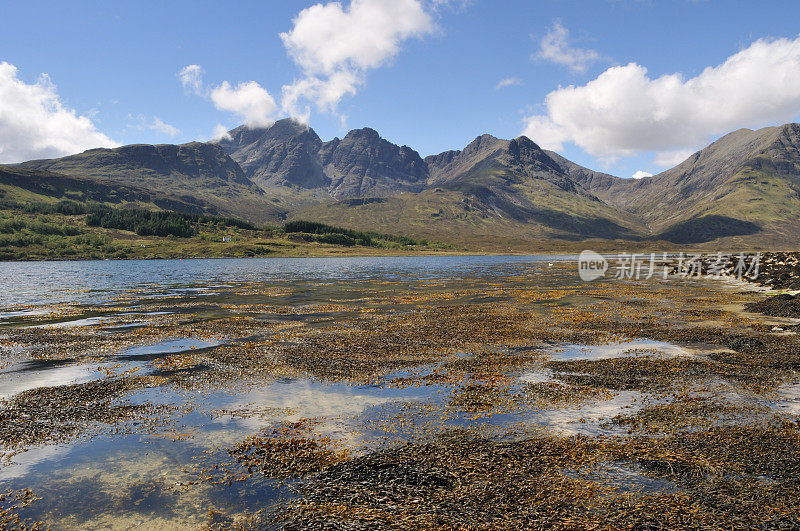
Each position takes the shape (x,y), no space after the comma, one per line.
(641,175)
(191,77)
(326,93)
(624,111)
(156,124)
(34,122)
(508,82)
(668,159)
(249,100)
(221,133)
(335,46)
(555,47)
(327,37)
(162,127)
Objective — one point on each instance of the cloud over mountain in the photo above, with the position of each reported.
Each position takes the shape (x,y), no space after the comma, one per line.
(624,111)
(335,46)
(249,100)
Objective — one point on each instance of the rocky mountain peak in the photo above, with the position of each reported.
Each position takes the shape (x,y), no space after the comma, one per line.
(282,130)
(283,154)
(365,133)
(364,164)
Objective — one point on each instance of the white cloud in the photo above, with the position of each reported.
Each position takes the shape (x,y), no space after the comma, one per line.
(641,175)
(327,37)
(34,123)
(220,133)
(624,111)
(192,78)
(326,94)
(668,159)
(555,47)
(247,99)
(158,125)
(508,82)
(335,46)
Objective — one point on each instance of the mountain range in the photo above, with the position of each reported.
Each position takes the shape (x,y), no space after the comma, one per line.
(742,190)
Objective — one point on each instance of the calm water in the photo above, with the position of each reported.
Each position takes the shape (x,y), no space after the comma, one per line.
(146,476)
(26,283)
(125,479)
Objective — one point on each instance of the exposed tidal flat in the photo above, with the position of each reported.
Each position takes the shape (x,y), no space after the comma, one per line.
(433,392)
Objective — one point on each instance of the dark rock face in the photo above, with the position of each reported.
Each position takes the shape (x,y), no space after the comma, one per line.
(290,154)
(363,164)
(508,162)
(594,181)
(282,155)
(437,162)
(784,153)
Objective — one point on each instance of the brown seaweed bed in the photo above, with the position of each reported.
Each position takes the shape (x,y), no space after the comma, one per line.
(511,399)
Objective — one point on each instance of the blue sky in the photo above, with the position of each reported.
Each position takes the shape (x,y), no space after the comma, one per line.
(426,75)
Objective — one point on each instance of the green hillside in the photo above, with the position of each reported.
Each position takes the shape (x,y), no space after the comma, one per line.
(501,195)
(71,230)
(196,173)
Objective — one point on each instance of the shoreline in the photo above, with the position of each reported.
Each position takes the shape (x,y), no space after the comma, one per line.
(407,400)
(378,254)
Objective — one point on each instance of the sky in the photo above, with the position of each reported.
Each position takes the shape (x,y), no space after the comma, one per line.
(630,87)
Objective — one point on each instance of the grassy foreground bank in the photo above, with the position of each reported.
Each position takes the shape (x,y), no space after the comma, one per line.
(77,231)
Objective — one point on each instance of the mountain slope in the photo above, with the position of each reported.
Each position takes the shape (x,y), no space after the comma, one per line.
(363,164)
(748,165)
(282,155)
(493,189)
(21,185)
(196,172)
(288,160)
(600,184)
(371,183)
(744,188)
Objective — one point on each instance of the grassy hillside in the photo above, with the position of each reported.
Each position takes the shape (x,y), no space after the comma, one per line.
(494,195)
(22,185)
(76,231)
(463,221)
(197,173)
(742,190)
(493,211)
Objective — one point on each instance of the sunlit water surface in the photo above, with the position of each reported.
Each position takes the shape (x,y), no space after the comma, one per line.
(131,479)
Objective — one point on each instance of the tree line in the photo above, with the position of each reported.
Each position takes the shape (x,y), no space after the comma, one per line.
(320,232)
(183,225)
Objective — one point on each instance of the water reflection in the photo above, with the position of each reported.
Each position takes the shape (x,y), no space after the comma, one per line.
(139,477)
(29,375)
(92,281)
(633,347)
